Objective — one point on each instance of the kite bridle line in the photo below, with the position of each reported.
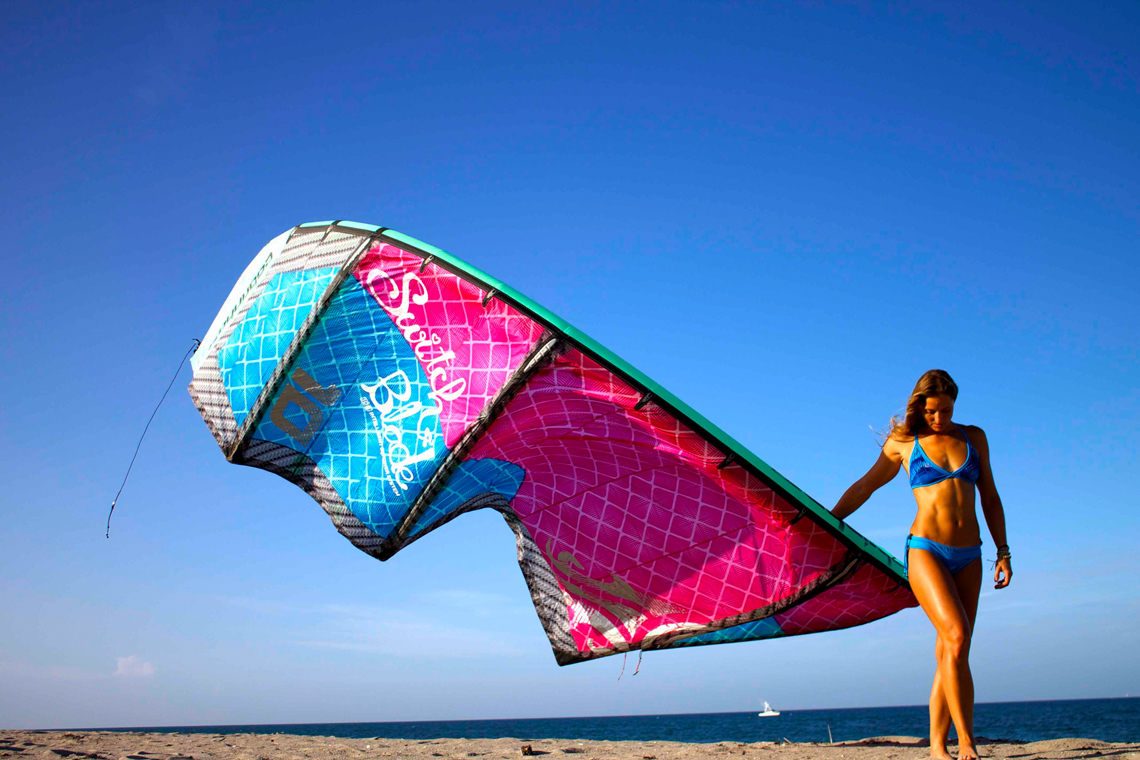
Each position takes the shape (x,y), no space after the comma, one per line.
(181,364)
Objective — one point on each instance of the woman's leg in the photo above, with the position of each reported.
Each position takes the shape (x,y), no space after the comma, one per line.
(938,594)
(968,581)
(939,709)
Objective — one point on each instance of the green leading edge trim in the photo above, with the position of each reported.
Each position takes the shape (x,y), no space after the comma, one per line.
(662,397)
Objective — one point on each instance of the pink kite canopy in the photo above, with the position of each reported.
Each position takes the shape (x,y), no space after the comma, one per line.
(401,388)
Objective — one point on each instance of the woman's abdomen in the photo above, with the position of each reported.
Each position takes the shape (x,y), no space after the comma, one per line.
(946,513)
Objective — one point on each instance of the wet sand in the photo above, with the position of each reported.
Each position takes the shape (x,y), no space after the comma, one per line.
(110,745)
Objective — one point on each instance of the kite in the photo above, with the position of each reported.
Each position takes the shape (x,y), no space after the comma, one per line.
(401,387)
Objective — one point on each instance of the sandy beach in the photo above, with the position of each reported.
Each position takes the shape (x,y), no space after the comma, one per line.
(104,745)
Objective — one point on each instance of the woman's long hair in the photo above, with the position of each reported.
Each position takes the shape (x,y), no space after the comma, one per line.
(936,382)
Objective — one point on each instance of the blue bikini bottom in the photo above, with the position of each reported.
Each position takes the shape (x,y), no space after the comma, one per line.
(954,558)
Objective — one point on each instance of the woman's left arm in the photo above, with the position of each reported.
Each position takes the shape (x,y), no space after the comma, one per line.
(992,509)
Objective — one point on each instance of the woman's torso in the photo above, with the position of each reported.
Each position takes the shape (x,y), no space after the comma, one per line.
(943,469)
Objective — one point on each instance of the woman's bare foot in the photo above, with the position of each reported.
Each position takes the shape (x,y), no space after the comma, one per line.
(940,753)
(967,752)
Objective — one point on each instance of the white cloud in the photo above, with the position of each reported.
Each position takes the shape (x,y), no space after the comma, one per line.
(133,666)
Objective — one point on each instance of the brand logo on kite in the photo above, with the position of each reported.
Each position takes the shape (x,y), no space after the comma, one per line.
(406,429)
(404,301)
(307,395)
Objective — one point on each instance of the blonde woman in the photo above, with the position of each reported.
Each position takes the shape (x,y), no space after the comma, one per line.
(947,464)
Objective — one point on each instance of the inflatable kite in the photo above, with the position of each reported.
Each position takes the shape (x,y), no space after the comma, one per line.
(401,387)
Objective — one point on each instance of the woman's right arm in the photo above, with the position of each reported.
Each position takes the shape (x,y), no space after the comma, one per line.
(881,473)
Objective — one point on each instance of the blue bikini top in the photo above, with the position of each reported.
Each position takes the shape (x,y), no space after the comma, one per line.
(923,472)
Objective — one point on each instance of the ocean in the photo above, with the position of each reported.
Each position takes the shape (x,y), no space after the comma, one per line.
(1112,720)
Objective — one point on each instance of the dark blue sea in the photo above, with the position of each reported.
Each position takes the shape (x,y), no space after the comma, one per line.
(1112,720)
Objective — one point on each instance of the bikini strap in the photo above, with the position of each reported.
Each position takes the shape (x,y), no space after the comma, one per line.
(966,438)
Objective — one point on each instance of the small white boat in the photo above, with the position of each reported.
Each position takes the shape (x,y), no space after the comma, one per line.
(768,711)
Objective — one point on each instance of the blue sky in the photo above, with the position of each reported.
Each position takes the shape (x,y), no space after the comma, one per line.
(782,213)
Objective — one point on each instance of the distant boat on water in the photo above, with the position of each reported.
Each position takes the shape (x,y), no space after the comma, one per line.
(768,711)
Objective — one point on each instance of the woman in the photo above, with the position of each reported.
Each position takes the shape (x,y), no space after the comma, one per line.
(946,462)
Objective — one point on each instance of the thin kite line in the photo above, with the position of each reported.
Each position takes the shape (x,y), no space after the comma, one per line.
(181,364)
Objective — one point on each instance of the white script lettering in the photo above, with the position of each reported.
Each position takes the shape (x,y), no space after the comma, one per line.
(389,403)
(399,298)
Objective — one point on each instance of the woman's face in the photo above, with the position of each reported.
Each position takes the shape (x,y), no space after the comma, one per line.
(938,411)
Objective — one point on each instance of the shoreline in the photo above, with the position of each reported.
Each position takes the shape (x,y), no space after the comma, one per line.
(131,745)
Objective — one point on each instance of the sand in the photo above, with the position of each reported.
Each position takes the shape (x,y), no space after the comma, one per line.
(104,745)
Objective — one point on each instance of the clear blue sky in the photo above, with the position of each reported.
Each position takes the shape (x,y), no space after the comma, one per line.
(843,196)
